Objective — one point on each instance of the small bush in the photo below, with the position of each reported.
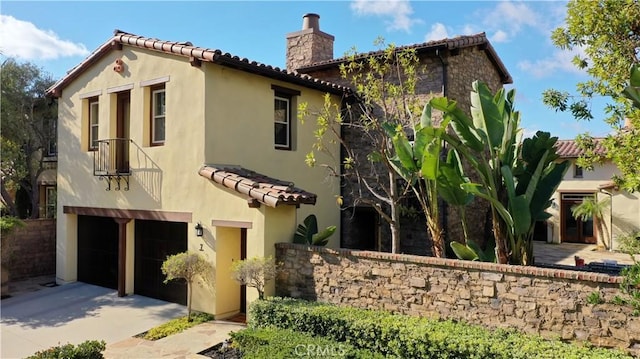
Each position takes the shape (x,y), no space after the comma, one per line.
(255,272)
(9,223)
(595,298)
(177,325)
(404,336)
(274,343)
(90,349)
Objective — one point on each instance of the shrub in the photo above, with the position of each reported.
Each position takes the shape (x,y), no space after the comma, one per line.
(90,349)
(255,272)
(176,326)
(187,266)
(272,343)
(404,336)
(595,298)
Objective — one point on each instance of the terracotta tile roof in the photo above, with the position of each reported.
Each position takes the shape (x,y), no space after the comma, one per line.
(569,148)
(458,42)
(269,191)
(186,49)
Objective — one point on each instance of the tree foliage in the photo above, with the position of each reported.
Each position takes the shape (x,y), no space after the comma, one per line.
(608,32)
(255,272)
(28,120)
(591,208)
(385,93)
(188,266)
(516,177)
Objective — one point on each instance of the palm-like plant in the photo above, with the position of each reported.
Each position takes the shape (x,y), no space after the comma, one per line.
(592,208)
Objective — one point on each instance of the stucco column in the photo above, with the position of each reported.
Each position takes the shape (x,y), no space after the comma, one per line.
(122,254)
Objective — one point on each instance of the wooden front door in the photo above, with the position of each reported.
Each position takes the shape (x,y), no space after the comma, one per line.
(122,132)
(574,230)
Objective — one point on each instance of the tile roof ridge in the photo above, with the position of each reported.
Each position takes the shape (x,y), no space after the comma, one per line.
(481,35)
(206,54)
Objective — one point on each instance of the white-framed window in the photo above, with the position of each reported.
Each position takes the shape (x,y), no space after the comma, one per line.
(282,122)
(158,115)
(93,123)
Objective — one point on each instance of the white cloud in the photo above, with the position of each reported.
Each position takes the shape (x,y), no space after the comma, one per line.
(399,11)
(559,60)
(22,39)
(469,29)
(508,18)
(514,15)
(438,32)
(528,132)
(500,36)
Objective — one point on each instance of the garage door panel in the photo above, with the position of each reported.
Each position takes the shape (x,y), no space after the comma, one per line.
(155,240)
(98,251)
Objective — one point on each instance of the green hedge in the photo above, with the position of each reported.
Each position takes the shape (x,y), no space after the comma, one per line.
(90,349)
(275,343)
(404,336)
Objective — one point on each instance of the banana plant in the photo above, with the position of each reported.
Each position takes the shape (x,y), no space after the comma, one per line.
(517,184)
(307,233)
(632,91)
(420,164)
(471,251)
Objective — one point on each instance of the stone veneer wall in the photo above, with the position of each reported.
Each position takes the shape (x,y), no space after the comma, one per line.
(462,68)
(469,65)
(552,303)
(32,249)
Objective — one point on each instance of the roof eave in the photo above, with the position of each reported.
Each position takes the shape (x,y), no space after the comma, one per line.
(56,89)
(187,50)
(276,74)
(505,76)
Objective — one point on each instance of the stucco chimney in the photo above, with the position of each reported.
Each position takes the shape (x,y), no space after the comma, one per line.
(309,45)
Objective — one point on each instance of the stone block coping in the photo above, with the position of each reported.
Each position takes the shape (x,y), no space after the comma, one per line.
(459,264)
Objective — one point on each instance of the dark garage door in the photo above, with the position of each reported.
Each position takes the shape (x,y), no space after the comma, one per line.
(98,251)
(155,240)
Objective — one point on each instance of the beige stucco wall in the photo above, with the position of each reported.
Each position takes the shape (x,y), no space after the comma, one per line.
(625,206)
(239,131)
(227,121)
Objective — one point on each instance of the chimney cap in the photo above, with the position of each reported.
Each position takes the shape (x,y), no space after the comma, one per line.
(311,21)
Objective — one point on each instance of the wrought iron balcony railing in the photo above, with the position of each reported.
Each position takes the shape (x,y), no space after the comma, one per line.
(111,162)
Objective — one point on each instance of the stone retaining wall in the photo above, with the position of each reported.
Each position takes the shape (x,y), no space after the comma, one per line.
(30,251)
(549,302)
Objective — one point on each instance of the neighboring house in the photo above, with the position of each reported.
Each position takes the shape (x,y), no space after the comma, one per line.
(621,217)
(47,183)
(161,142)
(451,67)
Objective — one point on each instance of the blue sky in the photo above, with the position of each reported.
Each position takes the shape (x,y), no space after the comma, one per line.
(56,35)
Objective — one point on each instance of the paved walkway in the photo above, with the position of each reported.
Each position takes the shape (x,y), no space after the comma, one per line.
(564,254)
(37,317)
(182,345)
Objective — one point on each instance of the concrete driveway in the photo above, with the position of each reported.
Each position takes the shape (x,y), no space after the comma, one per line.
(74,313)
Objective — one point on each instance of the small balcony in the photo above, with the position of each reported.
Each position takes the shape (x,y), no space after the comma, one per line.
(111,162)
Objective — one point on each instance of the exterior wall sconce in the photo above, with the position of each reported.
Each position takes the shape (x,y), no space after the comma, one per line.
(199,230)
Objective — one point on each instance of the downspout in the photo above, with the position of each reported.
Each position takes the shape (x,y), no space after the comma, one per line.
(601,190)
(443,156)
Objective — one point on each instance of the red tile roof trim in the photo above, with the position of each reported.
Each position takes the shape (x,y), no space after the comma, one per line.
(569,148)
(186,49)
(458,42)
(269,191)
